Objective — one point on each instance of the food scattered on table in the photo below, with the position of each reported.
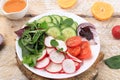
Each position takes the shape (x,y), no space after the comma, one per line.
(14,5)
(66,3)
(113,62)
(51,43)
(102,11)
(1,41)
(116,32)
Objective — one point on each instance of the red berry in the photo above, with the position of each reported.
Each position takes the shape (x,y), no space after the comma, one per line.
(116,31)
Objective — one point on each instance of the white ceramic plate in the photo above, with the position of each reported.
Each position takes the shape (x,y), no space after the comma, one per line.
(86,64)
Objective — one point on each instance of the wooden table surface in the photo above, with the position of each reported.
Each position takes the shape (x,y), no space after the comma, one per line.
(109,45)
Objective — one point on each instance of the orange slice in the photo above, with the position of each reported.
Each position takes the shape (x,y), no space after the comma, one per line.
(102,11)
(66,3)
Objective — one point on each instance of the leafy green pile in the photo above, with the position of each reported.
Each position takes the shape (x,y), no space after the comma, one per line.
(32,41)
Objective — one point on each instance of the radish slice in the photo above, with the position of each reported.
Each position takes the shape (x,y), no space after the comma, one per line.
(61,45)
(56,57)
(69,66)
(47,41)
(73,58)
(54,68)
(77,65)
(49,50)
(44,54)
(43,63)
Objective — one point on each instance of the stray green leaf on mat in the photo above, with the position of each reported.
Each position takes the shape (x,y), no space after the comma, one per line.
(113,62)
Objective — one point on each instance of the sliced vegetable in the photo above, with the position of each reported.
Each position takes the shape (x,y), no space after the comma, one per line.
(102,10)
(73,41)
(54,68)
(43,55)
(44,19)
(61,45)
(43,63)
(66,3)
(69,66)
(77,65)
(54,32)
(48,40)
(85,51)
(49,50)
(73,58)
(68,33)
(56,57)
(74,51)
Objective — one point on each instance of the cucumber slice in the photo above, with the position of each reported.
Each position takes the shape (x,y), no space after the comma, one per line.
(68,32)
(59,19)
(50,24)
(44,18)
(54,32)
(63,27)
(74,25)
(54,20)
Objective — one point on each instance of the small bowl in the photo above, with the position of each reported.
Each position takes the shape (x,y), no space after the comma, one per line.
(14,15)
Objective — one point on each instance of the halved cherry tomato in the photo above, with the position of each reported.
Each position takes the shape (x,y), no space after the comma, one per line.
(85,51)
(73,41)
(74,51)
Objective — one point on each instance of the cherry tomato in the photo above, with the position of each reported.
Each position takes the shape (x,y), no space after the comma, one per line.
(116,32)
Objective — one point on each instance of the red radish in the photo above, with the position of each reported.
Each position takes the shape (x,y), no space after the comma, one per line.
(47,41)
(77,65)
(61,45)
(44,54)
(54,68)
(43,63)
(69,66)
(62,72)
(49,50)
(56,57)
(73,58)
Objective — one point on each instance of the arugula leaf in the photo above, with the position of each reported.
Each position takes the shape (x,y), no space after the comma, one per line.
(68,22)
(113,62)
(54,43)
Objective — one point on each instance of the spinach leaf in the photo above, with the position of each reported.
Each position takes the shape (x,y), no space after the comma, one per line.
(68,22)
(43,25)
(54,43)
(113,62)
